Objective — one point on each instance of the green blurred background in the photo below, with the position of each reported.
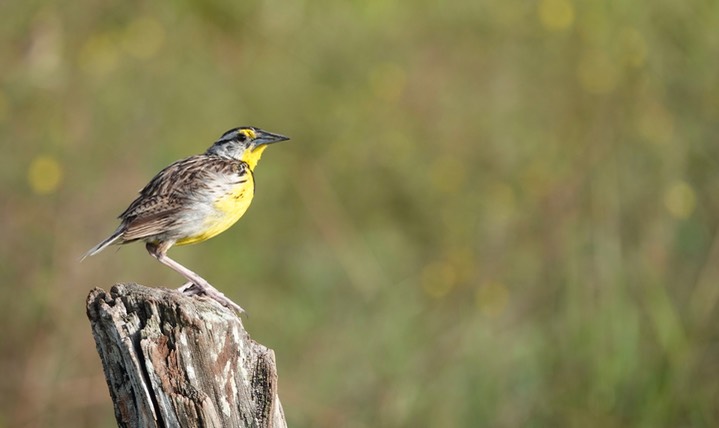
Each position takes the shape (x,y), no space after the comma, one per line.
(490,213)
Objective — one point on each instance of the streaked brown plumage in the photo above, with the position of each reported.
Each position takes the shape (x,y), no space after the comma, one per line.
(174,189)
(193,200)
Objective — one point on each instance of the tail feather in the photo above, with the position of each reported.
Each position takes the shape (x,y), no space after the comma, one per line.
(104,244)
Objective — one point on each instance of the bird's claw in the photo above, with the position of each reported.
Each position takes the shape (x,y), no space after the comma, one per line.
(193,289)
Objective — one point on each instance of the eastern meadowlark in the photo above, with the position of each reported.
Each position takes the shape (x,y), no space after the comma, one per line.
(193,200)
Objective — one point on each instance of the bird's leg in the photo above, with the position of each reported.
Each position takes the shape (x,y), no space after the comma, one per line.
(158,251)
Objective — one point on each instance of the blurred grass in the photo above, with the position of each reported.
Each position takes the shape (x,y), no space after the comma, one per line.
(490,213)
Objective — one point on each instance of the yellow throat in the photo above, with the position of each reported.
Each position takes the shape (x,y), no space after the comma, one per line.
(233,205)
(251,157)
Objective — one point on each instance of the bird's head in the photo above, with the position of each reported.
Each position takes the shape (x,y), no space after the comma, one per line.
(245,143)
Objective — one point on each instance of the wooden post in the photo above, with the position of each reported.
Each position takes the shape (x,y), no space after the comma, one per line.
(177,361)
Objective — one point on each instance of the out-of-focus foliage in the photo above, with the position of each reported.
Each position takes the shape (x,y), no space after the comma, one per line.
(491,213)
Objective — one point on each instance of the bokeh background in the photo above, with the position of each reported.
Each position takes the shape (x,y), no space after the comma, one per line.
(490,213)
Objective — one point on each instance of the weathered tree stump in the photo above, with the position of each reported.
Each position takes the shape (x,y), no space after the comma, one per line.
(177,361)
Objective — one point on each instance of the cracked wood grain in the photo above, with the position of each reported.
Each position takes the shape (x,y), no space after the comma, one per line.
(177,361)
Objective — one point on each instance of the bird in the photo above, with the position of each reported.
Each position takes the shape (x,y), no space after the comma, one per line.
(193,200)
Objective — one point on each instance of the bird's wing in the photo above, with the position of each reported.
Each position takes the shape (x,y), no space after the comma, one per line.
(151,216)
(170,183)
(174,189)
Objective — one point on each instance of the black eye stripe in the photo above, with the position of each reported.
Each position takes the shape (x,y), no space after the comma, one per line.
(236,134)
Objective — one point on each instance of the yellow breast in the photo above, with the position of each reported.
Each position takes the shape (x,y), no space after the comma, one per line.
(228,209)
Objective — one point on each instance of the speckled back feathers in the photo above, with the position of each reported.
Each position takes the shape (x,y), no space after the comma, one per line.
(170,198)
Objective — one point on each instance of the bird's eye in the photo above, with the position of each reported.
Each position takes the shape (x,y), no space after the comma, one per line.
(242,137)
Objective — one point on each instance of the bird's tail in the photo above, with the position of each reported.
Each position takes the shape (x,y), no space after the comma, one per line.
(104,244)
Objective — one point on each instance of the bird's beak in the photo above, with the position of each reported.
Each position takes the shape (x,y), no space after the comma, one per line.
(265,137)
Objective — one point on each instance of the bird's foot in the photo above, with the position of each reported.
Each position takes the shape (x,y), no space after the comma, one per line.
(194,289)
(189,289)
